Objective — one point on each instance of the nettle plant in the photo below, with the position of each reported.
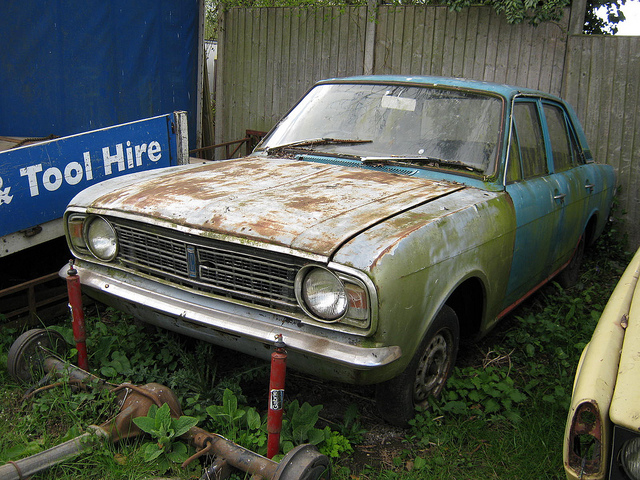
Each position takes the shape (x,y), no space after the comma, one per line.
(244,425)
(489,393)
(167,448)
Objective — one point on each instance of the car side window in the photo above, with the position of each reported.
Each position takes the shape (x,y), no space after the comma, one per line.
(530,139)
(514,172)
(562,147)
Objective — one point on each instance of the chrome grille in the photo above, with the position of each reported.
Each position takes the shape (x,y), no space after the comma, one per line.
(145,249)
(234,271)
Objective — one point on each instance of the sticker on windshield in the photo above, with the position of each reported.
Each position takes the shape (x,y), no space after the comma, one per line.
(398,103)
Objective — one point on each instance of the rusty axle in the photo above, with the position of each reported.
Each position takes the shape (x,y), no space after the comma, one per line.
(301,463)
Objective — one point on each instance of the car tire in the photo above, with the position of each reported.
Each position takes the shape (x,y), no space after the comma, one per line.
(568,277)
(426,374)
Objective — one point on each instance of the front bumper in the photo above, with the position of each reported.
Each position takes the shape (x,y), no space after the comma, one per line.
(319,352)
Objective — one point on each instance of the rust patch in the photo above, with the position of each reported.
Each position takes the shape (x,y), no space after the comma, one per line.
(309,203)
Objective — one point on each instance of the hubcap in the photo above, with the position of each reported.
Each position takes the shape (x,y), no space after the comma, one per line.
(433,368)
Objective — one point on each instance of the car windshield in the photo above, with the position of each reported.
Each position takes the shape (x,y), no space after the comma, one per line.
(413,124)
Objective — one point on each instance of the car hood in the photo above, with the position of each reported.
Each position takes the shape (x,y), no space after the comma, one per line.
(305,206)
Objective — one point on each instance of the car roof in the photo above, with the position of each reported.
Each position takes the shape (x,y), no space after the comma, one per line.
(504,90)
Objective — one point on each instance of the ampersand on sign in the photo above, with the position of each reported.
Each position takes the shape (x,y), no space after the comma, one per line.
(4,194)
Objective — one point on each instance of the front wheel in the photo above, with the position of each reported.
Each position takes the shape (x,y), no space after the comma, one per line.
(426,374)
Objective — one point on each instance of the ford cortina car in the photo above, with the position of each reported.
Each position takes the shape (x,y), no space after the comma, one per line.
(380,221)
(602,436)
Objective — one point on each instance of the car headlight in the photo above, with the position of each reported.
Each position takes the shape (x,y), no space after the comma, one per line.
(101,238)
(323,294)
(630,458)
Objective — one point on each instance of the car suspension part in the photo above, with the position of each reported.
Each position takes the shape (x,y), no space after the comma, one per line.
(77,315)
(276,397)
(35,353)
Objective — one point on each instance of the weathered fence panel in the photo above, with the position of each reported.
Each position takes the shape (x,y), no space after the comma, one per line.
(602,85)
(270,56)
(474,43)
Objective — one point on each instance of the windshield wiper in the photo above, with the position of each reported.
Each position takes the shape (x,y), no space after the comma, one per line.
(428,161)
(316,141)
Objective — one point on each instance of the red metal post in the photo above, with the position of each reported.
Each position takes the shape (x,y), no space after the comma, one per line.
(77,315)
(276,397)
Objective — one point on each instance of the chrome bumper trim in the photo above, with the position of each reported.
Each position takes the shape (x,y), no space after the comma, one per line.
(237,320)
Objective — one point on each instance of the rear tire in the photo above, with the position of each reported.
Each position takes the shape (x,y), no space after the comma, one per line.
(568,277)
(426,374)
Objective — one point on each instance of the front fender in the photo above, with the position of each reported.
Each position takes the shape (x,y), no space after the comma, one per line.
(418,258)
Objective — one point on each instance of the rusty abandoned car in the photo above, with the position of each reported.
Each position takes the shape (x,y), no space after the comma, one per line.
(382,220)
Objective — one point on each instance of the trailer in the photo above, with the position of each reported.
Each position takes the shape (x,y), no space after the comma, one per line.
(105,87)
(38,180)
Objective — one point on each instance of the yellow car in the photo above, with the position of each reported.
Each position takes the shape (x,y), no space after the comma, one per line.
(602,436)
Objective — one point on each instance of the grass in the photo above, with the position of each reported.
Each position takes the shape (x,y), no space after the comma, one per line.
(501,416)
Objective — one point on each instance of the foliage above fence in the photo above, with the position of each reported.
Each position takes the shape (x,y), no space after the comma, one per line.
(514,11)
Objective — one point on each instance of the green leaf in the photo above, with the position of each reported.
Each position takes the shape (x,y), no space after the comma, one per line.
(315,436)
(146,424)
(491,406)
(151,451)
(151,413)
(183,424)
(253,419)
(230,402)
(307,415)
(287,446)
(179,453)
(215,411)
(517,396)
(474,396)
(162,464)
(530,349)
(163,418)
(457,407)
(108,372)
(238,415)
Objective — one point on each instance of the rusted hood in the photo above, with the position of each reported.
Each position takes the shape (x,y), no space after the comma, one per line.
(301,205)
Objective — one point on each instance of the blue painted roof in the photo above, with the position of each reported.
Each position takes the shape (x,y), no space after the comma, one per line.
(507,91)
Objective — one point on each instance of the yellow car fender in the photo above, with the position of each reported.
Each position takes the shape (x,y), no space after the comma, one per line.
(595,381)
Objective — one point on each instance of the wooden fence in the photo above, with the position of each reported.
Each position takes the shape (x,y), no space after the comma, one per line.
(602,82)
(268,58)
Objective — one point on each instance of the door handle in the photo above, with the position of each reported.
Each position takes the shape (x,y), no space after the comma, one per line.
(559,196)
(589,186)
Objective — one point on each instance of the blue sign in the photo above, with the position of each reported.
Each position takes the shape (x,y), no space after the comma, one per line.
(37,181)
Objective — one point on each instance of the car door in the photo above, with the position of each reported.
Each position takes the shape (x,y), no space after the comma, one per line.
(532,188)
(573,183)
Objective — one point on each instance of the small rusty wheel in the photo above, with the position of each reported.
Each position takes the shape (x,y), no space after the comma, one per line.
(434,366)
(568,277)
(426,374)
(25,360)
(304,463)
